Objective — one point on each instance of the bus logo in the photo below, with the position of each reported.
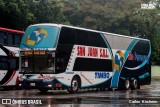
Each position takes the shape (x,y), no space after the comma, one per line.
(138,57)
(118,60)
(101,75)
(36,37)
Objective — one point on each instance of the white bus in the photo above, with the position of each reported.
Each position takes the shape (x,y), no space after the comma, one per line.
(9,53)
(55,56)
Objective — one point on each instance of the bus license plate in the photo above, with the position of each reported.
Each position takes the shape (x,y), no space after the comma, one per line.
(32,84)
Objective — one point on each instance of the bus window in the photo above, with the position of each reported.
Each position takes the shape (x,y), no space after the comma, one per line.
(14,63)
(10,39)
(67,36)
(17,39)
(2,38)
(37,63)
(82,37)
(96,40)
(3,63)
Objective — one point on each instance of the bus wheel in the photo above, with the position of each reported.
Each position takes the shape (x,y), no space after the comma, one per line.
(135,84)
(43,90)
(127,83)
(74,85)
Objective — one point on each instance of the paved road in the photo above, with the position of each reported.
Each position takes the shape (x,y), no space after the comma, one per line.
(146,96)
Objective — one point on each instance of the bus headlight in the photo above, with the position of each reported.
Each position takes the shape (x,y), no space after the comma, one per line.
(20,85)
(49,85)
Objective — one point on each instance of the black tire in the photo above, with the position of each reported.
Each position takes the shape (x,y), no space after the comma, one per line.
(135,84)
(43,90)
(75,85)
(127,83)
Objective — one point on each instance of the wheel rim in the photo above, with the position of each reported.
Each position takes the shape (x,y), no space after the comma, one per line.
(74,85)
(127,84)
(135,83)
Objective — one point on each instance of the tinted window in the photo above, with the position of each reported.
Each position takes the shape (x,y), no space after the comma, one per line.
(67,36)
(91,64)
(3,63)
(17,40)
(10,39)
(2,38)
(82,37)
(96,40)
(142,47)
(14,63)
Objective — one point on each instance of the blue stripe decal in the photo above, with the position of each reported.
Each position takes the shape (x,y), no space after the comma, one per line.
(144,76)
(115,78)
(123,78)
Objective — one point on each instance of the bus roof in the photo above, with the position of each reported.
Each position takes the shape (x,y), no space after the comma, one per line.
(61,25)
(11,30)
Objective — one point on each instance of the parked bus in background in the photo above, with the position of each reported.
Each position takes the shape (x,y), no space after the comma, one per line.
(55,56)
(9,53)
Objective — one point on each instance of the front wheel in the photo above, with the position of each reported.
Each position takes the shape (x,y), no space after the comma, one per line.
(74,86)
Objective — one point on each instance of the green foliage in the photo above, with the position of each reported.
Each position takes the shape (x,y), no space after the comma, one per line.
(116,16)
(18,14)
(156,48)
(15,14)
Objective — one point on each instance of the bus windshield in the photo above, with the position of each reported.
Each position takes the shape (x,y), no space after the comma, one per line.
(37,62)
(40,37)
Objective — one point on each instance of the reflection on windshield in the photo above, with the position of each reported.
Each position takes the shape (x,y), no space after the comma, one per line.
(38,63)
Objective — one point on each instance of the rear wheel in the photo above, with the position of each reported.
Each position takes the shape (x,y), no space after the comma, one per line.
(135,84)
(127,84)
(74,85)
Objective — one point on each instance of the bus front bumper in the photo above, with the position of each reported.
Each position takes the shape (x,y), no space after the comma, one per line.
(41,84)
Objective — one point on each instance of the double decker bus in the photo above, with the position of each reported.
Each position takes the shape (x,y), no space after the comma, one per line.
(55,56)
(9,55)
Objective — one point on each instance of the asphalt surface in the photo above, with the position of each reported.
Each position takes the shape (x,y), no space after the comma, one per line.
(148,96)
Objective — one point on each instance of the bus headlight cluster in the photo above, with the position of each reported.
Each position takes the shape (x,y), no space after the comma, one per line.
(49,85)
(20,85)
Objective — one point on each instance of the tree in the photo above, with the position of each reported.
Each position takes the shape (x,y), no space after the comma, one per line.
(18,14)
(15,14)
(47,11)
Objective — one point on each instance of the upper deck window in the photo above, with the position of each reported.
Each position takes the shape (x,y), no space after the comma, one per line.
(67,36)
(17,39)
(96,39)
(2,37)
(10,39)
(82,37)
